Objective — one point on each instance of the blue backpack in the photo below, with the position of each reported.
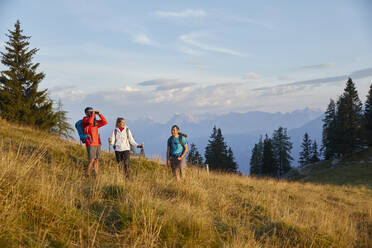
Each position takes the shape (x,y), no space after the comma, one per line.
(80,129)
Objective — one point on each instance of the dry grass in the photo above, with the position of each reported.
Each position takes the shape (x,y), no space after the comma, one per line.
(46,202)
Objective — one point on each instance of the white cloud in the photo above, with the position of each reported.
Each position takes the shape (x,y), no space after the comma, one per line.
(182,14)
(142,39)
(190,39)
(68,93)
(161,98)
(252,75)
(170,95)
(128,89)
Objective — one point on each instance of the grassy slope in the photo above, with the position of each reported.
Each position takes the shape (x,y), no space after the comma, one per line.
(46,201)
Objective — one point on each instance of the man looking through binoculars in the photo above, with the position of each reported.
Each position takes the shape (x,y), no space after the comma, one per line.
(93,141)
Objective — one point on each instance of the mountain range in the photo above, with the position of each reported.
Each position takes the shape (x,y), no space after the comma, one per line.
(240,130)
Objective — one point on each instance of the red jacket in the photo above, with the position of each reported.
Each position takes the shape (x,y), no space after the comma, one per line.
(91,128)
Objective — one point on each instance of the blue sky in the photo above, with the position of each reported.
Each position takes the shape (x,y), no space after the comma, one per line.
(157,58)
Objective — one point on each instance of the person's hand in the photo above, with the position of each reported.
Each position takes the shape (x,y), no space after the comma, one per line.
(179,158)
(168,162)
(109,139)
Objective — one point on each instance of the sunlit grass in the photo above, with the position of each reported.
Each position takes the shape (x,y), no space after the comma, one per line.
(46,201)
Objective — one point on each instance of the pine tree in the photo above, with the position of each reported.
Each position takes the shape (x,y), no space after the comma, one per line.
(315,156)
(305,154)
(231,164)
(349,121)
(20,100)
(368,117)
(255,165)
(256,158)
(220,152)
(268,160)
(210,156)
(62,127)
(329,132)
(282,147)
(194,156)
(217,156)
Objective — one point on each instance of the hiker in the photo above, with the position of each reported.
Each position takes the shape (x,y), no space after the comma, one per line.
(122,141)
(176,152)
(93,141)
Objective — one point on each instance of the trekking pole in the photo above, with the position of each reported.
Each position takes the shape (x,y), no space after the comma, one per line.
(140,156)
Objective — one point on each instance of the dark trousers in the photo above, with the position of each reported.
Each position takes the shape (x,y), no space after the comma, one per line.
(123,161)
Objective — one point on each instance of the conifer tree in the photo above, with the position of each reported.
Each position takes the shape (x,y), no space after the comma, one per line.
(349,121)
(256,158)
(329,138)
(255,165)
(305,154)
(282,147)
(210,150)
(20,100)
(217,156)
(194,156)
(268,160)
(231,164)
(315,156)
(368,117)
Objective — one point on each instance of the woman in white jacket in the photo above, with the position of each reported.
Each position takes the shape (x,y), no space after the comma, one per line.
(122,140)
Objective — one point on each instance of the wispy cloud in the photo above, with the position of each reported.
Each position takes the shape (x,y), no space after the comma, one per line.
(191,39)
(318,66)
(159,98)
(181,14)
(142,39)
(172,95)
(361,73)
(300,85)
(166,84)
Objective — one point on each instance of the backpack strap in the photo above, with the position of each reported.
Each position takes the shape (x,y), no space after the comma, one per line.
(181,142)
